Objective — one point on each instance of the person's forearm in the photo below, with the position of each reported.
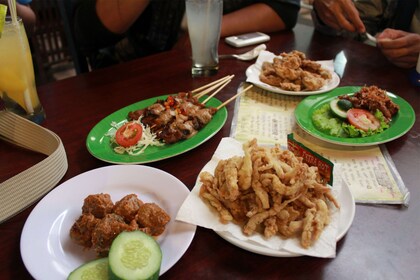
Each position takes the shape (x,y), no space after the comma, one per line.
(27,14)
(119,15)
(259,17)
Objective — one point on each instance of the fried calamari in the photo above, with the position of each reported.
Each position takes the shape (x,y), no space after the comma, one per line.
(270,191)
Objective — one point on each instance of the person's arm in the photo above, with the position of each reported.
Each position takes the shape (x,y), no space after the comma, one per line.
(339,14)
(259,17)
(399,47)
(98,23)
(268,16)
(118,15)
(27,14)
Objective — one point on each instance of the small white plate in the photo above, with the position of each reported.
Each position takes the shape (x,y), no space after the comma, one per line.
(46,248)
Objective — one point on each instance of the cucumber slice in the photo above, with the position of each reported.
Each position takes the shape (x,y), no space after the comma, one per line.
(93,270)
(337,110)
(134,255)
(344,104)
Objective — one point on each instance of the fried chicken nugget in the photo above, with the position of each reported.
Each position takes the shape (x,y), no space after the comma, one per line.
(106,230)
(81,230)
(127,207)
(151,216)
(98,204)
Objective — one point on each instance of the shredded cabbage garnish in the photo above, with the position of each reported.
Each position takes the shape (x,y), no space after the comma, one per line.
(148,138)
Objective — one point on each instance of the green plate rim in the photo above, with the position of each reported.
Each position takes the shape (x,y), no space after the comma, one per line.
(99,146)
(400,123)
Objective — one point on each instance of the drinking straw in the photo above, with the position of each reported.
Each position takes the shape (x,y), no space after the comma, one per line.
(12,8)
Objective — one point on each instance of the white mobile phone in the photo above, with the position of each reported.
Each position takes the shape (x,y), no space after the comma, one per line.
(247,39)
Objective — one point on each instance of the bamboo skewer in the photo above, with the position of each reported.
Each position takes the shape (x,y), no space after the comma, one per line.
(212,83)
(211,86)
(214,93)
(233,97)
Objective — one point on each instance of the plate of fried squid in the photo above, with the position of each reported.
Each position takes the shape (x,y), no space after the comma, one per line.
(266,200)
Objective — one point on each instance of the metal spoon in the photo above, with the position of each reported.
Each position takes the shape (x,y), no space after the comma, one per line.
(368,39)
(250,55)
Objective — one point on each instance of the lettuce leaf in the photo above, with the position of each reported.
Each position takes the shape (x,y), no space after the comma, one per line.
(325,121)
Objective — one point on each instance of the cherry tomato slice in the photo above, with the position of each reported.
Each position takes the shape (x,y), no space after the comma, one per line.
(129,134)
(362,119)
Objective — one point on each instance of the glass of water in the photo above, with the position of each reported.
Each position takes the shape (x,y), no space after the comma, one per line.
(204,19)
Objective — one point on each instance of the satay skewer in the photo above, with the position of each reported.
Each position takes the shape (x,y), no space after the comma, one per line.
(214,93)
(211,86)
(233,97)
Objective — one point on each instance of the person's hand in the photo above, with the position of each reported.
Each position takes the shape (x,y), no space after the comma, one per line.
(339,14)
(400,48)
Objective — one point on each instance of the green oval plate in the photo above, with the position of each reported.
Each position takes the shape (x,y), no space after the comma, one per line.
(400,124)
(99,145)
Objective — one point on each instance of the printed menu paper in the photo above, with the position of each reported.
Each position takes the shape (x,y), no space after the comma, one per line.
(368,171)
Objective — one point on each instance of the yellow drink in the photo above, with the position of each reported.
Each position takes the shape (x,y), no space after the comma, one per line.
(17,79)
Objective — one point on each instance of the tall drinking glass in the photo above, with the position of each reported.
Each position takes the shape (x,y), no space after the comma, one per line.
(17,79)
(204,19)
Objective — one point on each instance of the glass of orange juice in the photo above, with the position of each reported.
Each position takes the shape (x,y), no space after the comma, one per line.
(17,79)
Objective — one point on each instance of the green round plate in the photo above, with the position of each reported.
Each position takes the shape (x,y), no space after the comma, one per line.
(400,124)
(99,145)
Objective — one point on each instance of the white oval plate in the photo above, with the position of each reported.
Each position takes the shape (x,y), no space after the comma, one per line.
(46,248)
(253,73)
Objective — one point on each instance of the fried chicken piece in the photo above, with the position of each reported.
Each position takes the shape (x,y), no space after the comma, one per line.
(151,216)
(98,204)
(312,81)
(106,230)
(290,86)
(293,72)
(311,66)
(289,61)
(128,207)
(271,80)
(288,74)
(267,68)
(299,54)
(81,230)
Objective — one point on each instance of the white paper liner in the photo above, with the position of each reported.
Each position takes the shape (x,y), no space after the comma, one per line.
(196,212)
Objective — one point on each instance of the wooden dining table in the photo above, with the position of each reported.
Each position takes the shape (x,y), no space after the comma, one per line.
(383,241)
